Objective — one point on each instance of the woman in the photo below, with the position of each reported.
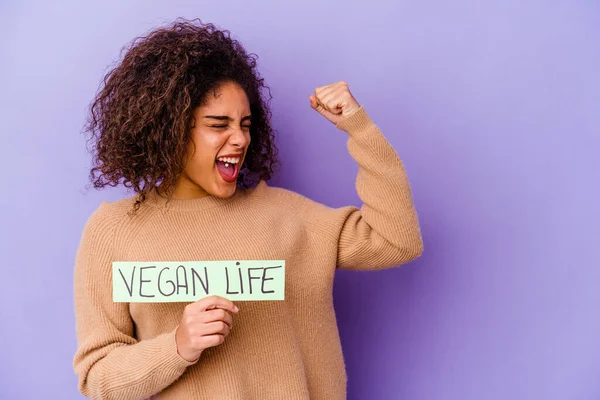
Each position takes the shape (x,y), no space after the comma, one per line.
(182,122)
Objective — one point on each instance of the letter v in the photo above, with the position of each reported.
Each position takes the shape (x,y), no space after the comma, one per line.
(129,287)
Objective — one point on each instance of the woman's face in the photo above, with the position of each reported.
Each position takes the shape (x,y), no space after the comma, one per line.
(220,137)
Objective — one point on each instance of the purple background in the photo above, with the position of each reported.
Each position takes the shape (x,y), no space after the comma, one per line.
(494,108)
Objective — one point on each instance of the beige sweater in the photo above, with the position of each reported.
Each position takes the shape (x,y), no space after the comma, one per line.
(277,349)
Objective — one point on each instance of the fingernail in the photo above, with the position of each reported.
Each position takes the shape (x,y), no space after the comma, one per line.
(236,309)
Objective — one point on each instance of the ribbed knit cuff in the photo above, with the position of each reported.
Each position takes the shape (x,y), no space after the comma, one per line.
(358,121)
(167,348)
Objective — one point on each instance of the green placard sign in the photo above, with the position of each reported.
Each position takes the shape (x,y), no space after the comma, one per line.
(174,281)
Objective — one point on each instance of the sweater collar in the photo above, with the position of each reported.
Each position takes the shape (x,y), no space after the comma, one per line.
(189,205)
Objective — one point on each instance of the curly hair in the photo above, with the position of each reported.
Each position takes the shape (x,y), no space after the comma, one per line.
(139,121)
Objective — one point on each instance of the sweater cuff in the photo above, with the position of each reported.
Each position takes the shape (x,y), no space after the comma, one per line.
(358,121)
(167,348)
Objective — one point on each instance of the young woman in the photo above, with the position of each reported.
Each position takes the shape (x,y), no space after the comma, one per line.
(182,121)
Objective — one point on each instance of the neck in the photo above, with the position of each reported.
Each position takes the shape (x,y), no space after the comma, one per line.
(186,190)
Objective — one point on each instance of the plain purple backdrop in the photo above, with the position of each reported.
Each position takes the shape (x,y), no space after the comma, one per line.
(494,107)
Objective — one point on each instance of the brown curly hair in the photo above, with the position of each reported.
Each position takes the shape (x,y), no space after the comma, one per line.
(140,119)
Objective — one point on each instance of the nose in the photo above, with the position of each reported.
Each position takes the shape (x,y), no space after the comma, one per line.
(239,138)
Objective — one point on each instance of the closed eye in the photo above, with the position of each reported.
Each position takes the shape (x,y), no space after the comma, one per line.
(225,126)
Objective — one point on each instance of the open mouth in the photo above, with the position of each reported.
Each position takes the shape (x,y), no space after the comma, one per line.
(229,167)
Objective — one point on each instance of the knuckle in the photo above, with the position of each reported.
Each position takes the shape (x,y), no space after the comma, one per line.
(206,340)
(213,340)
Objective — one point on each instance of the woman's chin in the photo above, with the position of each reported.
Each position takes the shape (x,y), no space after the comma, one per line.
(224,190)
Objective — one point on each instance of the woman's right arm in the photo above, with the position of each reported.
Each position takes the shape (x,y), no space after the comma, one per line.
(110,362)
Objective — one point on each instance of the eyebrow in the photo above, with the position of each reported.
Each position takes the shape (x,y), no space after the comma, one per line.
(226,118)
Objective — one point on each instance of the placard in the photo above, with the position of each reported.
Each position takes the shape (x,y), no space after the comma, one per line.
(174,281)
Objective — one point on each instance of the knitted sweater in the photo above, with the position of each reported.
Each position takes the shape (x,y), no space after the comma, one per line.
(286,349)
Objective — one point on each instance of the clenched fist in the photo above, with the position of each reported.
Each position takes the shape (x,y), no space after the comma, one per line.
(334,101)
(205,323)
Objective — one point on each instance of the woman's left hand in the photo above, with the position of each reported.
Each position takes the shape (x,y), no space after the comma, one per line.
(334,102)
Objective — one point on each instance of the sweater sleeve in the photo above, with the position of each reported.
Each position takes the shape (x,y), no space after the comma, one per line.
(109,361)
(385,231)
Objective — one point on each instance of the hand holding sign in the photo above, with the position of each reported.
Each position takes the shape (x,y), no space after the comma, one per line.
(204,324)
